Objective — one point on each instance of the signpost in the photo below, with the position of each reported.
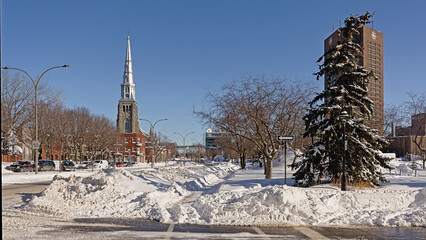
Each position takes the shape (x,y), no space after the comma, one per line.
(285,139)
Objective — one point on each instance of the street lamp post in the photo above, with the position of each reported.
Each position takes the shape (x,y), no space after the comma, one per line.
(199,149)
(151,133)
(184,147)
(36,143)
(343,117)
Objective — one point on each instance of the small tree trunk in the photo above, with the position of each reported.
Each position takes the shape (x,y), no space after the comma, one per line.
(243,161)
(424,160)
(268,168)
(264,169)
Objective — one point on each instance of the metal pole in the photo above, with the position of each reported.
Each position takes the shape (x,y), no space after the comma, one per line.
(343,158)
(153,139)
(184,147)
(36,118)
(285,163)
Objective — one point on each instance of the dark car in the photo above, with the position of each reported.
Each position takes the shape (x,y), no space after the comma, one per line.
(132,164)
(22,166)
(46,165)
(68,165)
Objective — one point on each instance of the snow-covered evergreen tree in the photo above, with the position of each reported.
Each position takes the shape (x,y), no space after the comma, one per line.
(12,143)
(347,91)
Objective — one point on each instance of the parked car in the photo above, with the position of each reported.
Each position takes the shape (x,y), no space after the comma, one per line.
(85,165)
(46,165)
(100,164)
(22,166)
(120,164)
(68,165)
(132,164)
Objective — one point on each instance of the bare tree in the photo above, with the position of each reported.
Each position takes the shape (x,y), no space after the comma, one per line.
(101,136)
(392,118)
(415,105)
(17,104)
(259,109)
(49,115)
(238,145)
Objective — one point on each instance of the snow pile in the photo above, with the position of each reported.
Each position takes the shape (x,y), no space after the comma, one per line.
(208,180)
(104,194)
(176,174)
(420,199)
(404,169)
(221,195)
(299,206)
(75,195)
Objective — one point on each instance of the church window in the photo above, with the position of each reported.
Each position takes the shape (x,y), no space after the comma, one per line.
(128,125)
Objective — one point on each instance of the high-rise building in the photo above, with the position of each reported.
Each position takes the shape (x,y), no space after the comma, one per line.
(212,136)
(134,139)
(371,42)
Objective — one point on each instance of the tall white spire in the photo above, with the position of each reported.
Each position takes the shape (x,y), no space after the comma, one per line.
(128,87)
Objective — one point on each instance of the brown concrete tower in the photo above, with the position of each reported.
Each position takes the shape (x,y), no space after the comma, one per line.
(371,42)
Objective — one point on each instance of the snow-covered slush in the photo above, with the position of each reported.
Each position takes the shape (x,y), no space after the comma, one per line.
(119,193)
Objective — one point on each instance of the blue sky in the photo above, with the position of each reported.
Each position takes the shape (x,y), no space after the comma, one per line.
(182,49)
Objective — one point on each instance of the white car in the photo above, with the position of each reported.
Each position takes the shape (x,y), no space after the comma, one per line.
(100,164)
(85,165)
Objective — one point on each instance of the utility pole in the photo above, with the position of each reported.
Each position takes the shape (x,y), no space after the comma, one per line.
(36,142)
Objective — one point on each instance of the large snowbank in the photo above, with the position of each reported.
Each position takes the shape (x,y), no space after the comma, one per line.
(300,206)
(223,194)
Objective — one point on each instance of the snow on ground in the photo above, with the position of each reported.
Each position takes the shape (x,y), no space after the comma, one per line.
(224,194)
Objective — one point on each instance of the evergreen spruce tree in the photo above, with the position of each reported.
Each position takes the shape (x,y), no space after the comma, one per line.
(346,92)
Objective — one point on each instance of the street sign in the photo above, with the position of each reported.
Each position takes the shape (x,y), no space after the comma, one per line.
(36,144)
(286,138)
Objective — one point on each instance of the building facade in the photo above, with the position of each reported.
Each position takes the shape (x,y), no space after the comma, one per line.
(405,139)
(371,42)
(211,138)
(133,139)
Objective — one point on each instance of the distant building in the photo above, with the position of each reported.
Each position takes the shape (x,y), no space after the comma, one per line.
(133,138)
(418,125)
(211,138)
(402,143)
(371,41)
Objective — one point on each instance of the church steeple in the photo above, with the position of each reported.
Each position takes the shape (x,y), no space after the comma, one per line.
(128,87)
(127,116)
